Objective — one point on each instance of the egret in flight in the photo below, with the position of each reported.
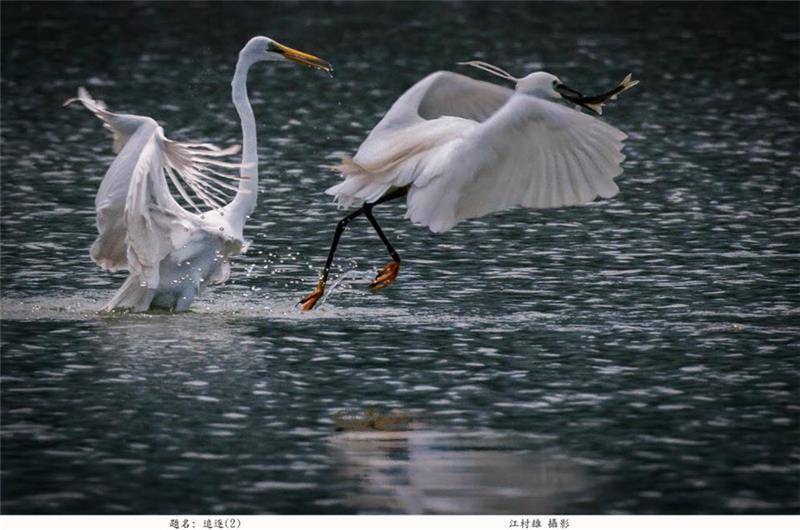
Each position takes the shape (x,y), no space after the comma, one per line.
(457,148)
(170,251)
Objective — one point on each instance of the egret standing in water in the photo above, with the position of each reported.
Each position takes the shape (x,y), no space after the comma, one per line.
(171,252)
(457,149)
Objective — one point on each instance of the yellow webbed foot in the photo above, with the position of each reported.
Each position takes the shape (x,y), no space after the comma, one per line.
(309,301)
(385,276)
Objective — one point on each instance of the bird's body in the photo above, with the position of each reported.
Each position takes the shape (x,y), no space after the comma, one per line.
(467,148)
(171,252)
(458,148)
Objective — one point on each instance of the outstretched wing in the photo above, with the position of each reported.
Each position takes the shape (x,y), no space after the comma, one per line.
(187,165)
(440,108)
(138,220)
(443,94)
(122,126)
(532,153)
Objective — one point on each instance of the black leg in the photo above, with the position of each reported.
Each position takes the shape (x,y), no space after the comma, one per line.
(309,301)
(374,223)
(340,227)
(388,273)
(366,209)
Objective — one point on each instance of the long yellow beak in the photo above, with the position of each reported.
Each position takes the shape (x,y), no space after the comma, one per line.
(305,58)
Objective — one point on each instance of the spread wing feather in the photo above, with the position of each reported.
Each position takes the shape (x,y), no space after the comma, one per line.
(467,148)
(139,222)
(404,144)
(537,154)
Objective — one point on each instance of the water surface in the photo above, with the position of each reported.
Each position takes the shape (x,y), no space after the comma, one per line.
(635,355)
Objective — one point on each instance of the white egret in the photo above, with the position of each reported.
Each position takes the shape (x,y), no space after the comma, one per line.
(458,148)
(169,251)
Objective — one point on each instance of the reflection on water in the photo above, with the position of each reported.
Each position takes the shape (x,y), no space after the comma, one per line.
(430,472)
(636,355)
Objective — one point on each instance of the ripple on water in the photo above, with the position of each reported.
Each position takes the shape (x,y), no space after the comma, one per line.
(632,338)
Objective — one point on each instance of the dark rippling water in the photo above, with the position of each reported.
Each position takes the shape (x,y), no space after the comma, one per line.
(638,355)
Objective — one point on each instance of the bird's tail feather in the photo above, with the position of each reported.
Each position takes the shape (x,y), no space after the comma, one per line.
(357,185)
(131,296)
(348,167)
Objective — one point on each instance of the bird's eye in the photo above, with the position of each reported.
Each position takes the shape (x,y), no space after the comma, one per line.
(554,83)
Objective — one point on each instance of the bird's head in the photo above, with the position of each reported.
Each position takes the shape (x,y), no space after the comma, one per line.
(540,84)
(546,85)
(265,49)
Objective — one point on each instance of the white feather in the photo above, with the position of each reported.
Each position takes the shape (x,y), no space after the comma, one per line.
(468,148)
(140,224)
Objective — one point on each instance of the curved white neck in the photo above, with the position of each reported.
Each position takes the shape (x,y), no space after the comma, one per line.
(245,201)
